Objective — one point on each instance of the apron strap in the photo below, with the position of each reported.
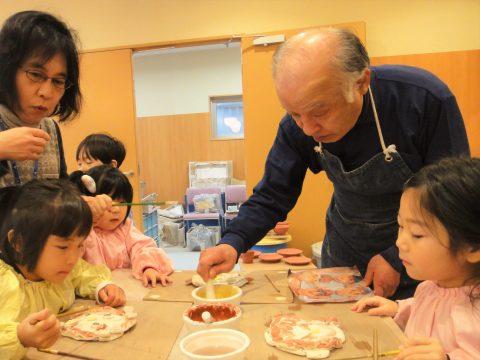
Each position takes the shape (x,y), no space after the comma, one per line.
(386,150)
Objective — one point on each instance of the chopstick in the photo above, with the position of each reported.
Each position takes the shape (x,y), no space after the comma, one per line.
(76,310)
(389,353)
(271,282)
(63,353)
(139,203)
(375,344)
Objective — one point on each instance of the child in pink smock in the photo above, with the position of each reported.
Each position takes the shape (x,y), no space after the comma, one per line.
(114,240)
(439,242)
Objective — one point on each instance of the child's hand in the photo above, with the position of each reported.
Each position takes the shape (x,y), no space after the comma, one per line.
(39,330)
(379,306)
(151,276)
(112,295)
(422,348)
(98,205)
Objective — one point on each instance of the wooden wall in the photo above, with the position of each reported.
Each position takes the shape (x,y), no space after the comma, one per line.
(460,70)
(166,144)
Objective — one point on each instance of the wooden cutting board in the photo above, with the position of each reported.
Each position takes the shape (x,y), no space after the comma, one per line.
(261,290)
(258,291)
(152,338)
(358,329)
(178,291)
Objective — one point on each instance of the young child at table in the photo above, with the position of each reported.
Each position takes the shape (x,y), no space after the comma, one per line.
(114,240)
(43,227)
(98,149)
(439,242)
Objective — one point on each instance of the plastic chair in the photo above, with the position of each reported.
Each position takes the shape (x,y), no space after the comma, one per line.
(206,218)
(235,195)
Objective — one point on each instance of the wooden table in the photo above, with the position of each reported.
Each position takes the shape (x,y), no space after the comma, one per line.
(160,328)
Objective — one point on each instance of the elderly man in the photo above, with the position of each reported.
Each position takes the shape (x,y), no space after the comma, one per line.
(369,129)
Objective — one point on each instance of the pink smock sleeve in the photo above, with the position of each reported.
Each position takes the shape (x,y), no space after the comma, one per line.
(144,253)
(404,311)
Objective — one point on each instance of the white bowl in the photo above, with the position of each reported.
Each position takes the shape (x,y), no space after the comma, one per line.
(223,316)
(225,293)
(213,344)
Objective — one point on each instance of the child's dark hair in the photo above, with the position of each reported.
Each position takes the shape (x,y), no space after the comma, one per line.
(35,211)
(38,34)
(108,180)
(450,191)
(102,147)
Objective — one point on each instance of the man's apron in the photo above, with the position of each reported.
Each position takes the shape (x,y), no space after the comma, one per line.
(362,216)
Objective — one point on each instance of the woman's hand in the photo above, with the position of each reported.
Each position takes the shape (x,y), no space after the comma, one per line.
(151,276)
(421,347)
(98,205)
(377,306)
(22,143)
(39,330)
(112,295)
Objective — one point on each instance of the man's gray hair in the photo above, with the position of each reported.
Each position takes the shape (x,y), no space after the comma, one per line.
(351,57)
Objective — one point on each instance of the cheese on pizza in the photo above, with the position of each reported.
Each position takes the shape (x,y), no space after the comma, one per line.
(102,323)
(311,338)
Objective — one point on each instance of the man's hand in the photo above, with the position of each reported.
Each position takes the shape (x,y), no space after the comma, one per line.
(22,143)
(421,347)
(384,277)
(216,260)
(112,295)
(39,330)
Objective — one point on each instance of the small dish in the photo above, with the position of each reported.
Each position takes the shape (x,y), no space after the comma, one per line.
(281,228)
(297,260)
(270,257)
(225,344)
(287,252)
(223,316)
(225,293)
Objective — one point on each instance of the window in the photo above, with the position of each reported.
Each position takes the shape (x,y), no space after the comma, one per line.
(226,114)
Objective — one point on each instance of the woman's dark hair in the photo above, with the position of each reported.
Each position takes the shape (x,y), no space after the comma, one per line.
(450,191)
(30,34)
(102,147)
(35,211)
(108,180)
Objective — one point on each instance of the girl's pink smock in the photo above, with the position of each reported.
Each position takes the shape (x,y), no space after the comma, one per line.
(445,314)
(126,247)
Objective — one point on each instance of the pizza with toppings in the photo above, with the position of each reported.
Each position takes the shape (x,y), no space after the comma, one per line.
(311,338)
(102,323)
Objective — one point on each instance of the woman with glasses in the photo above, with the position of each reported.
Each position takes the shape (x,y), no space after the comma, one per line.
(39,78)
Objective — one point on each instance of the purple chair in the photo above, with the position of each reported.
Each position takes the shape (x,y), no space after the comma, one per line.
(235,195)
(208,218)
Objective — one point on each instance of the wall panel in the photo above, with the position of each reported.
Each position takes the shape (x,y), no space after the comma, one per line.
(460,70)
(167,143)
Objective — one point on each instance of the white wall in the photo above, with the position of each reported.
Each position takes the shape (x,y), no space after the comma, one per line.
(181,82)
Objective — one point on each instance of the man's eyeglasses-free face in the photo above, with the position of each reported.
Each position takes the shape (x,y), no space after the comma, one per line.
(39,77)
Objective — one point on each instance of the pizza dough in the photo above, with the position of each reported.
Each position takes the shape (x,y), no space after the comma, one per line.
(102,323)
(338,284)
(224,278)
(311,338)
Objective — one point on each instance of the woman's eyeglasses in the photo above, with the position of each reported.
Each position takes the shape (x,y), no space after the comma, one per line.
(39,77)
